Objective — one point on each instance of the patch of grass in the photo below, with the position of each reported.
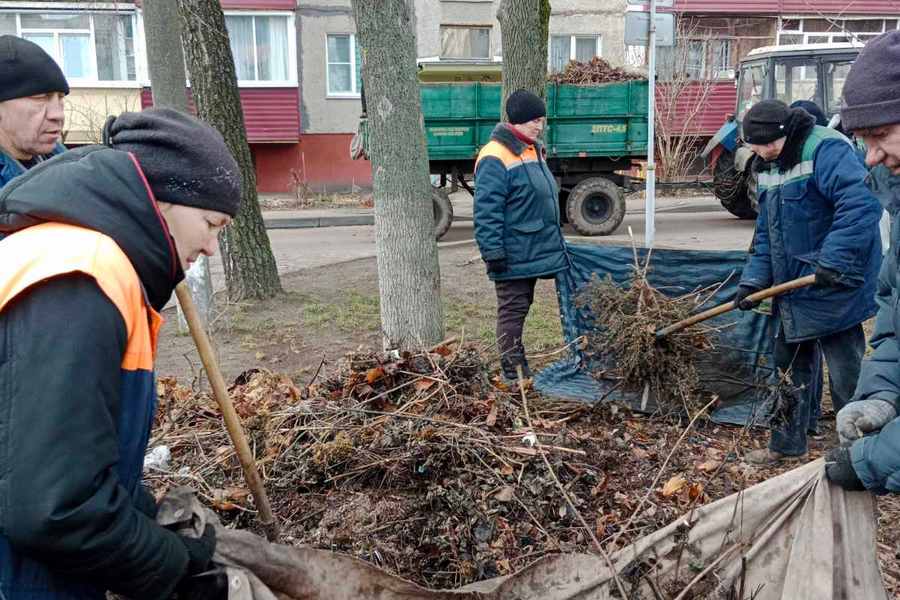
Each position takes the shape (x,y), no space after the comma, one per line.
(350,313)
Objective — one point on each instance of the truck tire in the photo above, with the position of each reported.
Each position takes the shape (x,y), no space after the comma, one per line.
(443,212)
(596,206)
(732,187)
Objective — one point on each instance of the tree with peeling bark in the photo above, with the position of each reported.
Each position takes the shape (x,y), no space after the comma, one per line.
(250,270)
(165,60)
(409,277)
(525,28)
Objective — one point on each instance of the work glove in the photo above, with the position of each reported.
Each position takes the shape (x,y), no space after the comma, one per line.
(826,277)
(862,417)
(496,266)
(740,298)
(200,552)
(839,470)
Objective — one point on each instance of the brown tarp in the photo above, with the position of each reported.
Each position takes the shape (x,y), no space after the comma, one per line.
(794,537)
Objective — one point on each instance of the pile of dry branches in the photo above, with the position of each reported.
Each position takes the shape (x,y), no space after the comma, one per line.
(421,466)
(591,73)
(623,344)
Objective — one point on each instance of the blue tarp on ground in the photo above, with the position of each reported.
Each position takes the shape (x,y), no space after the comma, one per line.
(734,370)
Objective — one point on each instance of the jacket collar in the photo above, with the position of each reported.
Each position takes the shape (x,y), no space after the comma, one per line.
(503,135)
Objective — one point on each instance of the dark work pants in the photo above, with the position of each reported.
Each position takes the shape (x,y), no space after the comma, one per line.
(514,299)
(843,353)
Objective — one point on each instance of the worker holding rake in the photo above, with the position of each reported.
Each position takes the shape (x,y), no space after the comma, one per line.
(869,429)
(816,216)
(96,240)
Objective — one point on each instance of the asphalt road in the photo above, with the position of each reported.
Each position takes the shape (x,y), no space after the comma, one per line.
(686,223)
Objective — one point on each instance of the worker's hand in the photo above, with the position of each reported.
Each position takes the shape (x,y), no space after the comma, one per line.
(826,277)
(839,470)
(200,552)
(862,417)
(740,298)
(211,585)
(496,266)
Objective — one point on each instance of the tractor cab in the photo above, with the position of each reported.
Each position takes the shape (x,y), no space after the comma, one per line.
(814,72)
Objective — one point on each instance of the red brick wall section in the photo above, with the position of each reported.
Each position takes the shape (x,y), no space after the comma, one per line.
(320,161)
(777,7)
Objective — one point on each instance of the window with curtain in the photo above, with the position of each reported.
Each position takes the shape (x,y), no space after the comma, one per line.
(564,48)
(89,47)
(465,42)
(344,62)
(821,30)
(260,46)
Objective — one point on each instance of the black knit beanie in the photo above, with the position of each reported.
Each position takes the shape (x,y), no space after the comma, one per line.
(765,122)
(26,70)
(523,106)
(872,88)
(185,160)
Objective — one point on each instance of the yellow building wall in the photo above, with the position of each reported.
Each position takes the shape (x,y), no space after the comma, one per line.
(87,109)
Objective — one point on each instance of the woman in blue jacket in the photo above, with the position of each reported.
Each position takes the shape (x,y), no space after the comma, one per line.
(517,221)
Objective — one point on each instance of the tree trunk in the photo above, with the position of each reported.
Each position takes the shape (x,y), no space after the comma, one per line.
(524,26)
(167,81)
(408,273)
(250,270)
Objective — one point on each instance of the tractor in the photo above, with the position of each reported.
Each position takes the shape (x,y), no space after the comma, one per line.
(814,72)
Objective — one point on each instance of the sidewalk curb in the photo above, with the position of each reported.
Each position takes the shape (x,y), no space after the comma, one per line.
(332,221)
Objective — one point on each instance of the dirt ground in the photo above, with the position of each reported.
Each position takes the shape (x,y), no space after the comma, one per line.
(317,319)
(330,311)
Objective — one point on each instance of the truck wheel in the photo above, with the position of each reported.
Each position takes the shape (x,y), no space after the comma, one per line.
(443,212)
(596,206)
(732,189)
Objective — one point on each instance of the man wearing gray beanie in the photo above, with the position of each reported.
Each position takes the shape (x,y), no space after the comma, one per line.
(869,430)
(32,87)
(96,240)
(816,216)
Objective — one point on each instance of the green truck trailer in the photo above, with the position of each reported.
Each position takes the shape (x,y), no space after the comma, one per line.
(593,134)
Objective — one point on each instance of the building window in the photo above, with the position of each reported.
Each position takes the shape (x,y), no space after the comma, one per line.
(89,47)
(696,59)
(261,47)
(344,73)
(564,48)
(821,30)
(465,42)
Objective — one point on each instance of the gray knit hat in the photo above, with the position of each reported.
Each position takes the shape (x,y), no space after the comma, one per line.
(872,88)
(185,160)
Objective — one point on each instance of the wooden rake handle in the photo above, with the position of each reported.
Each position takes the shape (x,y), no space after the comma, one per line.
(232,421)
(771,292)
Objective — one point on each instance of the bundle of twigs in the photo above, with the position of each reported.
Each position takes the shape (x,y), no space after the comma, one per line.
(622,341)
(591,73)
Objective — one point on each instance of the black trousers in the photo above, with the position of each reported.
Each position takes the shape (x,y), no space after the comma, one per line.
(514,299)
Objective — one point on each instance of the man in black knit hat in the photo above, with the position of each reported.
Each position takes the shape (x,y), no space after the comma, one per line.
(517,221)
(816,216)
(869,429)
(32,88)
(96,240)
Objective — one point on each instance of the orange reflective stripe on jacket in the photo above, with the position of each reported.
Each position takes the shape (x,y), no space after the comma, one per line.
(52,249)
(506,156)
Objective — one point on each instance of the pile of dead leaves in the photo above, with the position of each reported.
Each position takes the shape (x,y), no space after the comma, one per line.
(422,466)
(622,342)
(591,73)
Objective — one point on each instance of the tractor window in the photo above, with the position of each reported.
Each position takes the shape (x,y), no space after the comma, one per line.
(751,88)
(835,76)
(796,80)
